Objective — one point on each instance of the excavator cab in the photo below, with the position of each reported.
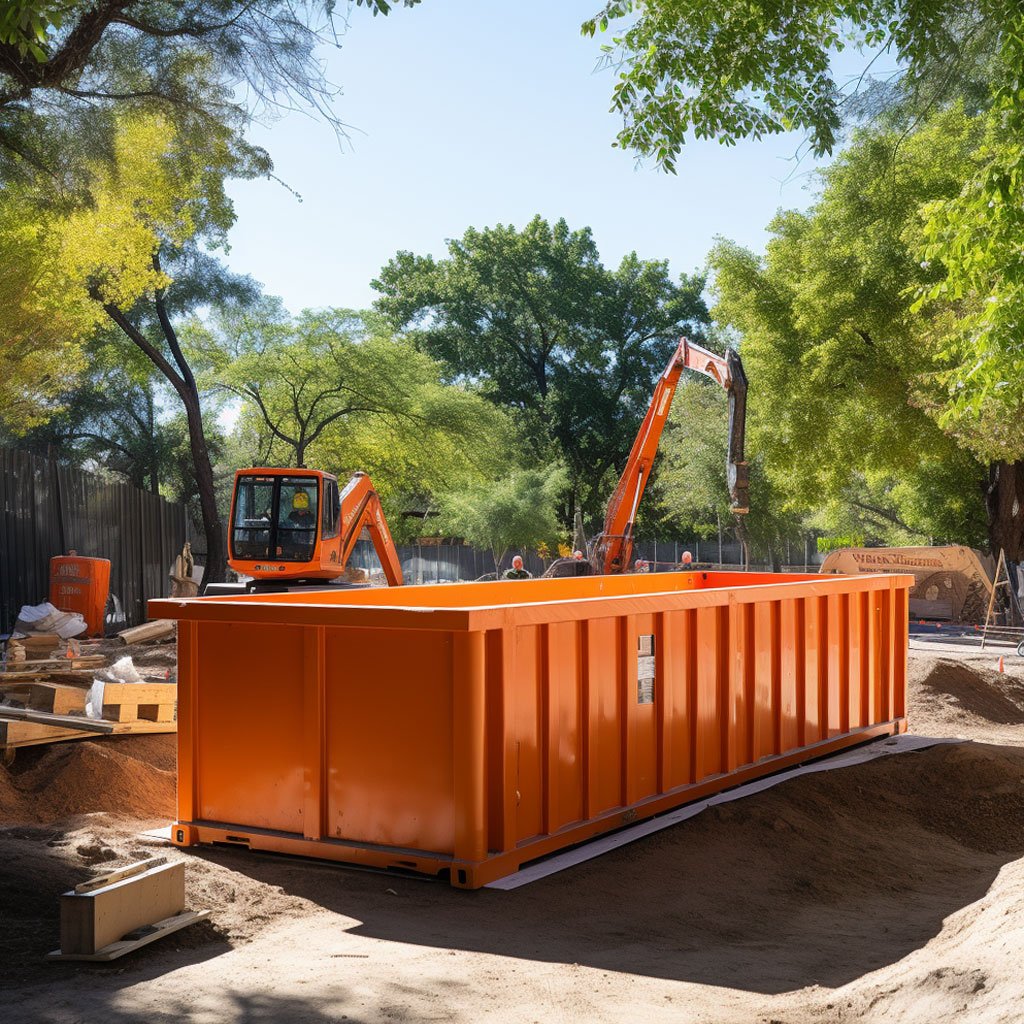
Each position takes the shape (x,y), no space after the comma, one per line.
(277,518)
(295,527)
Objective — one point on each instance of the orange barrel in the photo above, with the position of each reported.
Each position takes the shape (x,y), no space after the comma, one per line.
(81,585)
(469,729)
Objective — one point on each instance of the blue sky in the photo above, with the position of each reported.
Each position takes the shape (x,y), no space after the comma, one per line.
(474,112)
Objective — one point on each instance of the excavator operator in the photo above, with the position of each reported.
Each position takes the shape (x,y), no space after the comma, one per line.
(300,515)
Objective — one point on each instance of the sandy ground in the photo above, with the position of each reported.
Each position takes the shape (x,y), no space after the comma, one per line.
(892,891)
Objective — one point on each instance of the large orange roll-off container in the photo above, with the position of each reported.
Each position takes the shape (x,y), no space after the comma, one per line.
(473,728)
(81,585)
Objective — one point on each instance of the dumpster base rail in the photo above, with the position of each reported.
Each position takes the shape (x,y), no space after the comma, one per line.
(473,875)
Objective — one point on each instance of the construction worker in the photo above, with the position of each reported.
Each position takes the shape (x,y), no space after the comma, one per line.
(300,514)
(641,565)
(517,572)
(686,562)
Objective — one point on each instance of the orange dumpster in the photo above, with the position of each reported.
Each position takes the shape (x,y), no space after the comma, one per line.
(469,729)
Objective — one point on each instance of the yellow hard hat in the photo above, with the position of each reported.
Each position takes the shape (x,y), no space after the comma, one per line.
(300,500)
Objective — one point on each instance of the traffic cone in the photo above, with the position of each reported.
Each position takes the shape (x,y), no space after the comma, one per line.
(1001,667)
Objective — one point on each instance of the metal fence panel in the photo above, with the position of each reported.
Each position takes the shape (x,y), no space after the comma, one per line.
(47,509)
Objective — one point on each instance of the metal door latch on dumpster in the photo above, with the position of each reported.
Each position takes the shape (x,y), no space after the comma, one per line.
(471,729)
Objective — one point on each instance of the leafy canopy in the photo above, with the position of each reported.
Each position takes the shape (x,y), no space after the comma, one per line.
(739,69)
(518,510)
(69,69)
(570,347)
(974,240)
(846,411)
(333,389)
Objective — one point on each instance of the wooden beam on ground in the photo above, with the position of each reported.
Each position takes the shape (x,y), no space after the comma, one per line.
(137,939)
(158,629)
(94,920)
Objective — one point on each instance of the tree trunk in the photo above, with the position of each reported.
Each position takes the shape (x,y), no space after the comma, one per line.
(216,555)
(1004,502)
(184,383)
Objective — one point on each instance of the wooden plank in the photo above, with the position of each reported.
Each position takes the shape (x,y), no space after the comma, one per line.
(137,939)
(47,640)
(56,664)
(83,677)
(126,728)
(158,629)
(140,693)
(31,734)
(109,877)
(64,721)
(91,921)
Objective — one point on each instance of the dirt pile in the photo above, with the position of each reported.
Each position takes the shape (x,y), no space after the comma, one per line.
(966,698)
(129,777)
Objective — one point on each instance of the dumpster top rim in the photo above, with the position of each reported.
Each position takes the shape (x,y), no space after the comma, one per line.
(291,609)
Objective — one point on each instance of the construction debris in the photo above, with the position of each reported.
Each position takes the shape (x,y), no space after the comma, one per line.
(45,618)
(47,700)
(158,629)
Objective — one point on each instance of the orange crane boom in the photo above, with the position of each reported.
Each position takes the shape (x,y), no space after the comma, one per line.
(613,547)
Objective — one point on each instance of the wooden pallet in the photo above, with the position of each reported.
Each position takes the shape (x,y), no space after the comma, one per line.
(54,712)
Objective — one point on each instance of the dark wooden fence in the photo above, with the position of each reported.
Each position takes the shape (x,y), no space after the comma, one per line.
(48,509)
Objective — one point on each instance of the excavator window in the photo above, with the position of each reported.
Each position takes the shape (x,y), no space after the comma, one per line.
(297,518)
(253,517)
(275,518)
(332,510)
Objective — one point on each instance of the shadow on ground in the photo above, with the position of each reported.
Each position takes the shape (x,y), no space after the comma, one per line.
(819,881)
(816,882)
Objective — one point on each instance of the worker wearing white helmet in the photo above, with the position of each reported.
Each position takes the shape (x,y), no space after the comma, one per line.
(517,572)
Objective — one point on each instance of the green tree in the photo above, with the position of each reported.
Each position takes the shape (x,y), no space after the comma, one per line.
(69,68)
(333,388)
(40,355)
(518,510)
(134,259)
(847,406)
(690,490)
(569,347)
(737,69)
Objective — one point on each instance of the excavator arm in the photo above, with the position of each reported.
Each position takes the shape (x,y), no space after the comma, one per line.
(613,548)
(360,506)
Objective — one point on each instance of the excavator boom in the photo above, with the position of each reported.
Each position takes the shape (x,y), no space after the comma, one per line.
(360,506)
(613,548)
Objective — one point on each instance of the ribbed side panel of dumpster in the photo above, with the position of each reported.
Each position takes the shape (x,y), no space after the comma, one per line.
(576,731)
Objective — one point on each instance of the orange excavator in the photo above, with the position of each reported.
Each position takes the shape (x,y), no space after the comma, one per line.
(295,528)
(612,549)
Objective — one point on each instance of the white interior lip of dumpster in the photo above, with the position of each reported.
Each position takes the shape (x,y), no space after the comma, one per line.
(595,848)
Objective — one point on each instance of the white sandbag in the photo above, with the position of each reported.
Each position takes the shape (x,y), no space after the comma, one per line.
(45,618)
(122,671)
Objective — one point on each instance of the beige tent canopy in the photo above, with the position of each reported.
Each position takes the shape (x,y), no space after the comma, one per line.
(953,583)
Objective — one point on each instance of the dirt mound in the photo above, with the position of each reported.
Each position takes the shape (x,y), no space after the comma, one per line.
(967,698)
(993,696)
(128,777)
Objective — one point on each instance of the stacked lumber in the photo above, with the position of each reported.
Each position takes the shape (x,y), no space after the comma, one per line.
(42,711)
